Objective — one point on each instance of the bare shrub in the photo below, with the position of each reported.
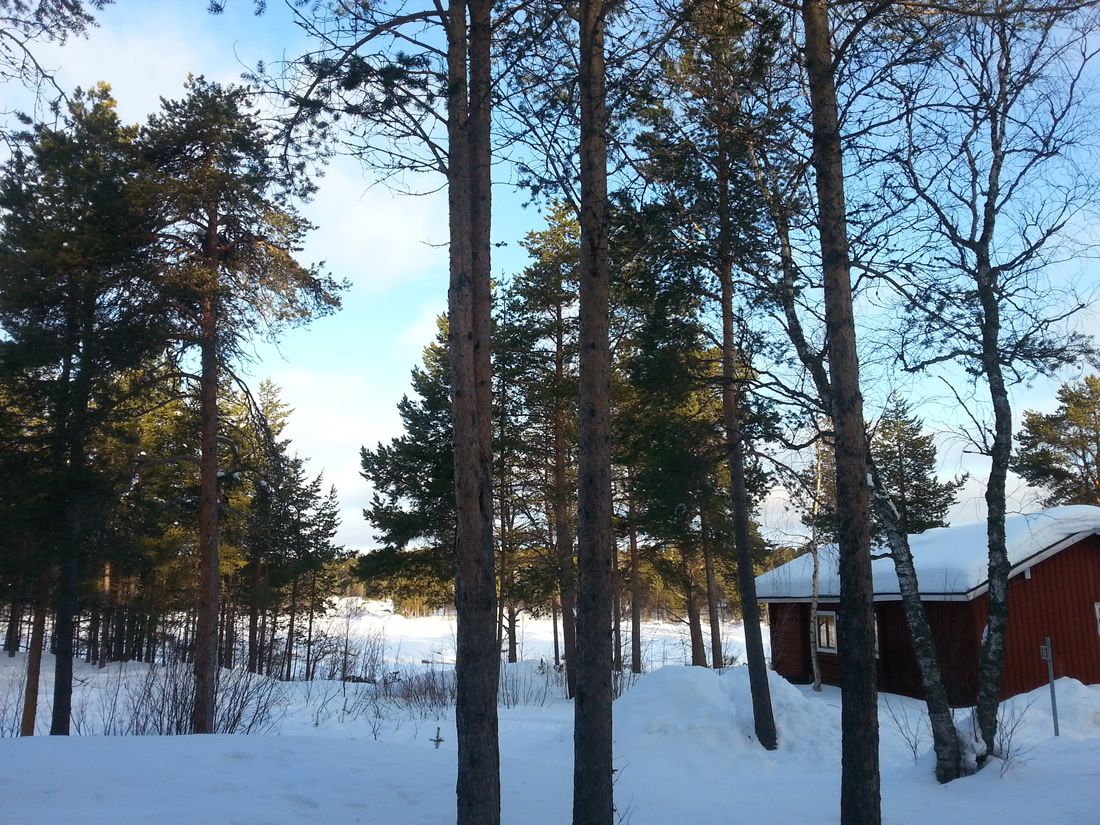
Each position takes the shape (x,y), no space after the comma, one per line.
(248,703)
(1010,719)
(520,686)
(1007,747)
(376,718)
(911,724)
(109,692)
(160,703)
(320,698)
(427,693)
(622,681)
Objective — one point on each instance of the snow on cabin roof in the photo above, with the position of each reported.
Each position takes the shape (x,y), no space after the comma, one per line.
(951,562)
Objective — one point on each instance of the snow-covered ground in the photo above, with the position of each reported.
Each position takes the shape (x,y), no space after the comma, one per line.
(363,753)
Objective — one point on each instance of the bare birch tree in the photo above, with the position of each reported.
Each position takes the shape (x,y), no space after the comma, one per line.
(994,156)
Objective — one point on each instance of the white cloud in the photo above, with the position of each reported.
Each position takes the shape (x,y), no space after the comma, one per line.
(374,237)
(422,331)
(145,53)
(335,414)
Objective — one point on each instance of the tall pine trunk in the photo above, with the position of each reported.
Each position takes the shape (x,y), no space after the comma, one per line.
(69,464)
(691,607)
(206,626)
(563,528)
(593,802)
(635,594)
(309,624)
(15,618)
(512,617)
(717,658)
(617,613)
(477,666)
(34,665)
(288,664)
(65,625)
(554,626)
(255,631)
(763,718)
(860,801)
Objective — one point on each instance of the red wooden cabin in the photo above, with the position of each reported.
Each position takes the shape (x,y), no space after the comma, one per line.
(1054,590)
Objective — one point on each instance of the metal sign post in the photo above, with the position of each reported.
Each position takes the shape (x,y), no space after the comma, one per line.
(1046,652)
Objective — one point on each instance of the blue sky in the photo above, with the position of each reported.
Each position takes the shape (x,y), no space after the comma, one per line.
(343,375)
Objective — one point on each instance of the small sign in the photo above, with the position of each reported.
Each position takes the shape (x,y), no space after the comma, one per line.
(1044,652)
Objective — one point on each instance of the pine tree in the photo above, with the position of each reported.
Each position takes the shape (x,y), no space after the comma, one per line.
(1060,451)
(906,458)
(546,335)
(593,785)
(413,505)
(668,426)
(79,306)
(231,235)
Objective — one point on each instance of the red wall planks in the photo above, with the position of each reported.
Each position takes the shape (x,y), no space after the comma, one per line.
(790,640)
(1057,601)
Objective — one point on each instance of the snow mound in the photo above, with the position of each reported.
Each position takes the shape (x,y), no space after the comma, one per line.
(1078,711)
(677,701)
(693,708)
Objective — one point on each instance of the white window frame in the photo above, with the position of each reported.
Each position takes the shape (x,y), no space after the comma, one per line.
(830,616)
(1096,606)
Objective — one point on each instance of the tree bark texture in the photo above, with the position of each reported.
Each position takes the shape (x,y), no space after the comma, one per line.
(206,626)
(635,596)
(34,667)
(563,528)
(713,619)
(477,665)
(860,802)
(592,737)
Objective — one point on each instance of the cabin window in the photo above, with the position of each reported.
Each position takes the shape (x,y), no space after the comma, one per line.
(826,632)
